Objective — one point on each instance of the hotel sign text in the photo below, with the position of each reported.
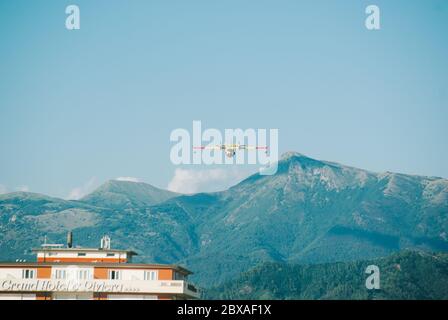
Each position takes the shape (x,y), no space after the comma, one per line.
(66,286)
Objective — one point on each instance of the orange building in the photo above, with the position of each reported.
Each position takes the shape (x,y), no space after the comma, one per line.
(93,274)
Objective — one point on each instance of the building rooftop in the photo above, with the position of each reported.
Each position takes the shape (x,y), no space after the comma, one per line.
(98,265)
(89,260)
(79,249)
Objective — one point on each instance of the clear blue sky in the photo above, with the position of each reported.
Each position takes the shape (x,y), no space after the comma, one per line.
(101,102)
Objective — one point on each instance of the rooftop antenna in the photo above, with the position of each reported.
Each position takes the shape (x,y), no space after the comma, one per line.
(47,245)
(105,242)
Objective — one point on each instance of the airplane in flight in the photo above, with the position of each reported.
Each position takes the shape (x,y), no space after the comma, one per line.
(230,149)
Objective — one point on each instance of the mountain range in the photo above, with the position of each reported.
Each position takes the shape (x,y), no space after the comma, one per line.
(407,275)
(310,211)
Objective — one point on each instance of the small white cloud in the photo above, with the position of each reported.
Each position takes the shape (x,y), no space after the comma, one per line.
(3,189)
(79,192)
(130,179)
(23,188)
(207,180)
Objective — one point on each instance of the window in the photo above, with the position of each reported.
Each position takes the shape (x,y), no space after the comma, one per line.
(28,274)
(81,254)
(151,275)
(59,274)
(110,255)
(71,273)
(114,275)
(84,275)
(179,276)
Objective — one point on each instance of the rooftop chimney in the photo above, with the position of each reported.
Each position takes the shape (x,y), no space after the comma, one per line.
(69,239)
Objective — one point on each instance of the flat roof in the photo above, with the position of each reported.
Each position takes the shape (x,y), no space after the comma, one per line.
(83,250)
(98,265)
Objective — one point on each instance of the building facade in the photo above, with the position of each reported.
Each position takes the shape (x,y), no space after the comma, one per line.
(92,274)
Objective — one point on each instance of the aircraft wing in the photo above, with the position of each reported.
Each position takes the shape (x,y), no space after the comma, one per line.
(207,147)
(254,147)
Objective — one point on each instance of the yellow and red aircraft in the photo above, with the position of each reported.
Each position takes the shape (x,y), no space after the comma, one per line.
(230,149)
